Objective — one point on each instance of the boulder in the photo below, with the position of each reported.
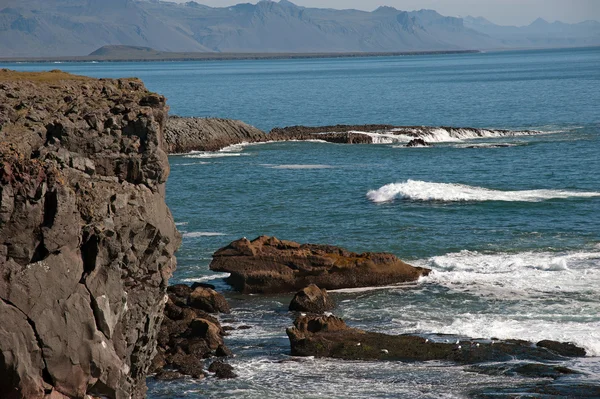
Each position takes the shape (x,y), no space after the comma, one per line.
(222,370)
(208,300)
(329,336)
(311,299)
(87,242)
(188,334)
(270,265)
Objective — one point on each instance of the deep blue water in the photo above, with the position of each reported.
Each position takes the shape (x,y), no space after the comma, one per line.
(506,265)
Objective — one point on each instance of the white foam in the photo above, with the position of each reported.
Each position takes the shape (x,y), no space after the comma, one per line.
(181,223)
(209,154)
(448,192)
(300,167)
(196,234)
(442,135)
(383,138)
(532,296)
(206,278)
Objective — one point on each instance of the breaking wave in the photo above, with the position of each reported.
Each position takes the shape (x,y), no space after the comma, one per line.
(516,282)
(441,134)
(447,192)
(196,234)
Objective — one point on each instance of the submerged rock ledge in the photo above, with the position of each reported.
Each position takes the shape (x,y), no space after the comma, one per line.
(269,265)
(329,336)
(86,239)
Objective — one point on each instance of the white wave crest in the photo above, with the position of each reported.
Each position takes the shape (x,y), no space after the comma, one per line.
(208,154)
(196,234)
(532,295)
(426,191)
(215,276)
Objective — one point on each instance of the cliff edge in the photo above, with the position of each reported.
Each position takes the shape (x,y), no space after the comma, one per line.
(86,239)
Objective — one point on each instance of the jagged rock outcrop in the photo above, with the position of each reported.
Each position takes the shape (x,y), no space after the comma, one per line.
(270,265)
(86,239)
(312,299)
(329,336)
(418,143)
(189,335)
(208,134)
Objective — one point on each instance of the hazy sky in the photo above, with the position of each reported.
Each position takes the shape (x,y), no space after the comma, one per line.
(503,12)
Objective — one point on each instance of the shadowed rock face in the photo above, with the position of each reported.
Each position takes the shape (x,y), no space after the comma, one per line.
(208,134)
(269,265)
(329,336)
(188,334)
(86,239)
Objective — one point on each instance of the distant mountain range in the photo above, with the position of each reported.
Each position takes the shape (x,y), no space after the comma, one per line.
(43,28)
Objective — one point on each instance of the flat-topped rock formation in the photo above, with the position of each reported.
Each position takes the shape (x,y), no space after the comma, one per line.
(208,134)
(86,239)
(329,336)
(184,135)
(270,265)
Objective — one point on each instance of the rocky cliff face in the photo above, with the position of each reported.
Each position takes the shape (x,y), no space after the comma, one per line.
(86,239)
(208,134)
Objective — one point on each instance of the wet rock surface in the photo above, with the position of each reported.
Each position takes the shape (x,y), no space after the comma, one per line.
(189,334)
(312,299)
(208,134)
(329,336)
(418,143)
(86,239)
(270,265)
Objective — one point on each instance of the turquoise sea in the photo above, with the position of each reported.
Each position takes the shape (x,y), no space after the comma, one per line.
(510,225)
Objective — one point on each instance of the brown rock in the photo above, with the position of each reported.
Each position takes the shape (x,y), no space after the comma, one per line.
(86,239)
(269,265)
(222,370)
(312,299)
(329,336)
(188,335)
(208,300)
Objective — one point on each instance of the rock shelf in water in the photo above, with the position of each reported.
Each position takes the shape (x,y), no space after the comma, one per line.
(269,265)
(329,336)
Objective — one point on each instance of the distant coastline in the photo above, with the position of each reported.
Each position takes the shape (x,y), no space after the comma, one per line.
(135,54)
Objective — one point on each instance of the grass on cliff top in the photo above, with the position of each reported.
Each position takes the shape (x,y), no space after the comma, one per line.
(51,76)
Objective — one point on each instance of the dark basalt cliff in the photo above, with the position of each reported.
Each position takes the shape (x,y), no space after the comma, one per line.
(86,239)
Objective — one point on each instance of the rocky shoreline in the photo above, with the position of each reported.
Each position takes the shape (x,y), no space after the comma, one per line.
(87,248)
(184,135)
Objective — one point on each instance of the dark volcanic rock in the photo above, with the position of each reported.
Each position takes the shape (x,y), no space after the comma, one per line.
(530,370)
(222,370)
(208,300)
(312,299)
(269,265)
(562,348)
(418,143)
(188,334)
(323,336)
(208,134)
(86,239)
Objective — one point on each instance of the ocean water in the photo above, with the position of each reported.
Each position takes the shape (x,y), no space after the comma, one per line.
(510,225)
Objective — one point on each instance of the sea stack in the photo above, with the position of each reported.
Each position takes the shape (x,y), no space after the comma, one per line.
(86,239)
(269,265)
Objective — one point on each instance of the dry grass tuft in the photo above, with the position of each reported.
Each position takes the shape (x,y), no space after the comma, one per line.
(55,75)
